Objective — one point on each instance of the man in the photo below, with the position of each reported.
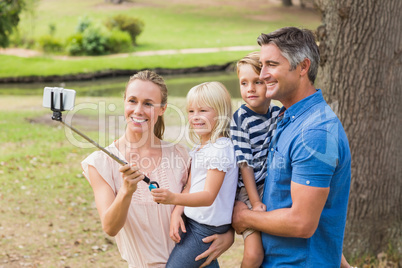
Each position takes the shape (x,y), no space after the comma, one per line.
(307,185)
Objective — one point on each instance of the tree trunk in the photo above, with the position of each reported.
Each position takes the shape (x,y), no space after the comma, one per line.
(361,71)
(287,3)
(115,1)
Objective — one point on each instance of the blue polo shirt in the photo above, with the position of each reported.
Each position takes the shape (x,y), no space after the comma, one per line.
(309,147)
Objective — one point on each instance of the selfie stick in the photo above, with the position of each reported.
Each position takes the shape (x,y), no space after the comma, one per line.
(57,116)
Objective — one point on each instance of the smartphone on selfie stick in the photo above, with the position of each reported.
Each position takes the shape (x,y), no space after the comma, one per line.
(59,100)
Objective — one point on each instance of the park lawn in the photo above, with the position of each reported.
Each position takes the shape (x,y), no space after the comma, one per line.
(178,25)
(181,24)
(49,218)
(13,66)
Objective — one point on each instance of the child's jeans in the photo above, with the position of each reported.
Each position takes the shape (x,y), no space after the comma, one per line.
(191,245)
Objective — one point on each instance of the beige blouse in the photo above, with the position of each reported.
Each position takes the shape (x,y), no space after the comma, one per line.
(144,240)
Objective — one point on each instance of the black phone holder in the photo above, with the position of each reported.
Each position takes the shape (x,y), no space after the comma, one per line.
(57,115)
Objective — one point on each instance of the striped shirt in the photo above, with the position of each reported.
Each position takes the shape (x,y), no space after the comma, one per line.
(251,134)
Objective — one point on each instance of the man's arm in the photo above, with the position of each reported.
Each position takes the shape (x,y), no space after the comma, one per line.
(300,220)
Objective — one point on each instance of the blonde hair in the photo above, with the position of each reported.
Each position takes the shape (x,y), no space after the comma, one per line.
(159,128)
(216,96)
(252,59)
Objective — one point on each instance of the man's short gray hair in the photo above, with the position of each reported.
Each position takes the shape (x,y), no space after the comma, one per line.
(296,45)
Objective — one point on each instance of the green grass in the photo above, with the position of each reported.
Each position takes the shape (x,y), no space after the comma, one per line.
(13,66)
(48,216)
(178,85)
(186,24)
(45,202)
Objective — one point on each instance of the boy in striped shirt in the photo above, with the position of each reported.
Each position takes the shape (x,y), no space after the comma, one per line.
(252,128)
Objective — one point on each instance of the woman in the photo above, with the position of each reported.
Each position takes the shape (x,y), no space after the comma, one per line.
(124,202)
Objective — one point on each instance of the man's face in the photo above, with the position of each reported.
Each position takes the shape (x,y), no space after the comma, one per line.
(282,84)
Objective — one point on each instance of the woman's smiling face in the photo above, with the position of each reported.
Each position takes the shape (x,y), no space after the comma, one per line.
(142,105)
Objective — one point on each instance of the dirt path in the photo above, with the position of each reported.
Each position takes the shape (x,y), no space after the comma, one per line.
(20,52)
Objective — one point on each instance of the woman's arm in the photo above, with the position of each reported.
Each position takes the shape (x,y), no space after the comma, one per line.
(113,209)
(203,198)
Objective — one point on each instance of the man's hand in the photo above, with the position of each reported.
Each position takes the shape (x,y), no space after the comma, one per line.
(220,243)
(237,218)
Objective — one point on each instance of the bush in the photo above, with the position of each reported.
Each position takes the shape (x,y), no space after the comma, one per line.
(21,40)
(74,45)
(118,41)
(83,24)
(50,44)
(124,23)
(52,29)
(94,41)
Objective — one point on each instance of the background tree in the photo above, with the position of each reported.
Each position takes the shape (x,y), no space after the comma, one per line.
(287,3)
(9,18)
(115,1)
(361,46)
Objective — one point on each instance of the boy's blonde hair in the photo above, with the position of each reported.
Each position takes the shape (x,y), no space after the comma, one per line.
(252,59)
(216,96)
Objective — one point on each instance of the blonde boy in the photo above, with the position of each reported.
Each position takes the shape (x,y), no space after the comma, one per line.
(252,129)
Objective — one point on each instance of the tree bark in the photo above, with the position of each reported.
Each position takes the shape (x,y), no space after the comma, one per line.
(287,3)
(116,2)
(361,71)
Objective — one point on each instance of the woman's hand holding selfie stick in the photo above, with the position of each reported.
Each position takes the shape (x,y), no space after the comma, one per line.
(51,93)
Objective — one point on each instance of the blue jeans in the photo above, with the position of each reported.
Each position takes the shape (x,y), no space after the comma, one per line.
(191,245)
